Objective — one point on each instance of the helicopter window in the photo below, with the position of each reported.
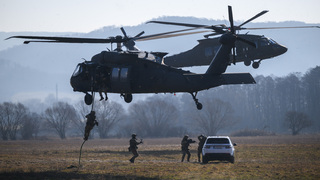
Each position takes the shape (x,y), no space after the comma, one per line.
(244,49)
(264,42)
(146,55)
(77,71)
(151,57)
(208,51)
(124,74)
(142,55)
(115,74)
(272,41)
(235,50)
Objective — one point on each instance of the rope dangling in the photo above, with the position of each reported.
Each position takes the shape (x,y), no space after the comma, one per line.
(80,154)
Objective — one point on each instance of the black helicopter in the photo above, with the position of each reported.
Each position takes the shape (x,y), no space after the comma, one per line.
(207,48)
(132,71)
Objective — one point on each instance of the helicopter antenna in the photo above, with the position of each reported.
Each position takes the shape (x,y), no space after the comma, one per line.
(57,92)
(224,19)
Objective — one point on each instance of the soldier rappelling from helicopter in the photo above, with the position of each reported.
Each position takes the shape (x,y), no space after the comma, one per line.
(91,122)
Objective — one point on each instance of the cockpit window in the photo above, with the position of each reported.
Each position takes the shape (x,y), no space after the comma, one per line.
(264,42)
(272,41)
(77,71)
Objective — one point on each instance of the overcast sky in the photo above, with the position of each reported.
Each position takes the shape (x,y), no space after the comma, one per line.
(88,15)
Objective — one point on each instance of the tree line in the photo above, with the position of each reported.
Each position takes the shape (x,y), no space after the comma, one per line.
(287,104)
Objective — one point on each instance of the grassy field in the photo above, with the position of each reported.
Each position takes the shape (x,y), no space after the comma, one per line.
(270,157)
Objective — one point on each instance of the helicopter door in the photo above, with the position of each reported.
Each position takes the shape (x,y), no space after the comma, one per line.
(120,81)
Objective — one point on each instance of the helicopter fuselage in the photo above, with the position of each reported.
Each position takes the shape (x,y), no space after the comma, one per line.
(115,72)
(203,53)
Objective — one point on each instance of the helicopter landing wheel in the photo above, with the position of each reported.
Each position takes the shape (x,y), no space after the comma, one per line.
(247,63)
(128,98)
(255,65)
(88,99)
(199,106)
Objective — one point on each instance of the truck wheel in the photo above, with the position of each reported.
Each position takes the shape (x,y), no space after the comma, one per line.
(232,159)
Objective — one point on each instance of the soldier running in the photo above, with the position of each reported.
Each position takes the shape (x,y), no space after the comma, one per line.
(134,146)
(185,147)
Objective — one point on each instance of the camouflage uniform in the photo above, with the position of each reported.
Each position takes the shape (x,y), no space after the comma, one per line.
(133,147)
(91,121)
(185,147)
(202,140)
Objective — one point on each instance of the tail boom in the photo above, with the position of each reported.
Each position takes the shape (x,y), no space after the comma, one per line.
(237,78)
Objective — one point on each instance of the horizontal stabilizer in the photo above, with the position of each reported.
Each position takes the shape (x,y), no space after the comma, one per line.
(238,78)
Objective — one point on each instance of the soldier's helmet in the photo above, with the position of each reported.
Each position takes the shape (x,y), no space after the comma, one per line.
(133,135)
(185,137)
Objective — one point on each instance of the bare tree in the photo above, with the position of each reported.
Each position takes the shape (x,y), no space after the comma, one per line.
(108,115)
(214,116)
(154,117)
(59,116)
(11,116)
(80,122)
(296,121)
(30,126)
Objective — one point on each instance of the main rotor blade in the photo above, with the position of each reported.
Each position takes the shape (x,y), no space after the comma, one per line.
(138,35)
(67,39)
(123,32)
(162,34)
(231,19)
(254,17)
(218,28)
(48,39)
(293,27)
(170,35)
(211,34)
(181,24)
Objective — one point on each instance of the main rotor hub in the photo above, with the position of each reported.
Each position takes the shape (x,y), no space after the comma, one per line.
(118,37)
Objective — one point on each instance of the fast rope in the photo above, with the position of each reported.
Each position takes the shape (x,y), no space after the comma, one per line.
(86,137)
(79,165)
(86,140)
(80,154)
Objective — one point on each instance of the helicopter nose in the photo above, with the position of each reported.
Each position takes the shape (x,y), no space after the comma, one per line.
(75,83)
(279,49)
(283,49)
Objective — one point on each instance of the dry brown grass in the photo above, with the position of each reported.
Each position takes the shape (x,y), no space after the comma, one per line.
(270,157)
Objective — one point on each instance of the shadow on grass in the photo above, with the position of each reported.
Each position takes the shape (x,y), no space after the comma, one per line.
(64,175)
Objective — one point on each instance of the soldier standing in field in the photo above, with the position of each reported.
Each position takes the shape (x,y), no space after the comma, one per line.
(134,146)
(202,140)
(185,147)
